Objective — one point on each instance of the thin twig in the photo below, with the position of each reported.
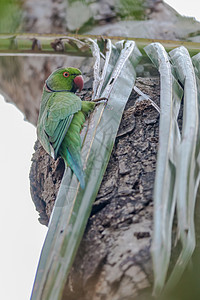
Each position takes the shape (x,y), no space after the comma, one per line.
(146,97)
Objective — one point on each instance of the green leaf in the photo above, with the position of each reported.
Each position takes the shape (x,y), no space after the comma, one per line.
(169,136)
(10,15)
(187,179)
(177,173)
(73,205)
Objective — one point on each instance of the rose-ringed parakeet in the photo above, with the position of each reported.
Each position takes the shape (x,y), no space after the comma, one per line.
(62,115)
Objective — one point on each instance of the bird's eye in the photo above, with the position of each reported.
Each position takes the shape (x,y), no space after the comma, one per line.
(66,74)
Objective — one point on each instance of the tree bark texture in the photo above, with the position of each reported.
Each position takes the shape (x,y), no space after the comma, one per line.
(113,261)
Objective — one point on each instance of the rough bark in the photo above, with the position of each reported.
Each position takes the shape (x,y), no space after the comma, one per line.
(113,261)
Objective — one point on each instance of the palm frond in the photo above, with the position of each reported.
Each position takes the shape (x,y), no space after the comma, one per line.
(73,205)
(177,177)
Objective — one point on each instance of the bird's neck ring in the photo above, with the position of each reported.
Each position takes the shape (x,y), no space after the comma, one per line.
(48,89)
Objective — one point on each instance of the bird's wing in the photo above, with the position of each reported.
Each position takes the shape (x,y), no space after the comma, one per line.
(58,116)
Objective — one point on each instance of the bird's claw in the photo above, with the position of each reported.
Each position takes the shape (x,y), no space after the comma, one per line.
(101,100)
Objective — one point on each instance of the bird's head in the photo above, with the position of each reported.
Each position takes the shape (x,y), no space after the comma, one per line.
(65,79)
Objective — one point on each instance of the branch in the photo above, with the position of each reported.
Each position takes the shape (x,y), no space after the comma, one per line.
(24,44)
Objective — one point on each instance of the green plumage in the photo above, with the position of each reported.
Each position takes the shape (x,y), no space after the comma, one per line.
(62,115)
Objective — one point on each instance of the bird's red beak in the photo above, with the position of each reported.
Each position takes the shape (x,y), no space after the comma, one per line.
(78,82)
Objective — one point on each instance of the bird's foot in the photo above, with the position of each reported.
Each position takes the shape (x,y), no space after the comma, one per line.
(100,100)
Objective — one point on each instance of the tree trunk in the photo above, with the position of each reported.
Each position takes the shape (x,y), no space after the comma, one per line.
(113,261)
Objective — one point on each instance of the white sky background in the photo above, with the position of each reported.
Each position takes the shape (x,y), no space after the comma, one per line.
(186,8)
(21,234)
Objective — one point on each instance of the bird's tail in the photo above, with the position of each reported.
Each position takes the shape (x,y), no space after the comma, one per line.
(74,161)
(70,148)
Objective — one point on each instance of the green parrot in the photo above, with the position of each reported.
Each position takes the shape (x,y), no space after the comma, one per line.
(61,118)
